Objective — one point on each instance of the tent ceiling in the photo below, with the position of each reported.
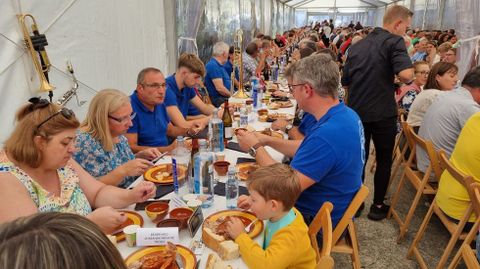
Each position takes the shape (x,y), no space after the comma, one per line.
(306,4)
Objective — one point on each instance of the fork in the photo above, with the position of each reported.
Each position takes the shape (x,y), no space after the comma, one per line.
(249,226)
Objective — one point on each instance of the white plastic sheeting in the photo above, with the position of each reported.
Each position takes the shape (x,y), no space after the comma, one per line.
(107,41)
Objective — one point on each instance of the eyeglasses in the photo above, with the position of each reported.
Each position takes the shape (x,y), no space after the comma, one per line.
(423,73)
(124,119)
(291,87)
(65,112)
(156,86)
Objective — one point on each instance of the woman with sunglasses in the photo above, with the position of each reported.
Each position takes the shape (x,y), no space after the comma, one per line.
(102,148)
(38,174)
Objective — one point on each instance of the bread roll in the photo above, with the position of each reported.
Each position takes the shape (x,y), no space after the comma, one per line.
(229,250)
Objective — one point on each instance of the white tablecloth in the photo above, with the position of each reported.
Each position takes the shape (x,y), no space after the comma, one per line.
(219,201)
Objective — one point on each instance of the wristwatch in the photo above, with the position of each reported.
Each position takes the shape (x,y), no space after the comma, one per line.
(288,128)
(253,150)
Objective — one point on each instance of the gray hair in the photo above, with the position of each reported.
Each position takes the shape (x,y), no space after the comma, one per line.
(220,48)
(306,43)
(318,70)
(143,72)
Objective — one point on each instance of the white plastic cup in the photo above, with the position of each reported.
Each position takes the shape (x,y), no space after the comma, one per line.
(131,234)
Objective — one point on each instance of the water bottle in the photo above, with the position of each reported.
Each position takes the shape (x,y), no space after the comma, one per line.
(231,188)
(215,132)
(180,160)
(243,117)
(255,93)
(203,175)
(275,72)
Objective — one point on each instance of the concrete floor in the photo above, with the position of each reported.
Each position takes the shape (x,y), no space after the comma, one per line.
(377,239)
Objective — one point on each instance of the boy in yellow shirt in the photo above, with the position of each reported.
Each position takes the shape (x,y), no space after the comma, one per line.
(273,192)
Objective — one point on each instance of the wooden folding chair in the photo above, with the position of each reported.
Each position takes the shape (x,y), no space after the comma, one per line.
(399,152)
(465,251)
(349,243)
(322,221)
(422,182)
(455,229)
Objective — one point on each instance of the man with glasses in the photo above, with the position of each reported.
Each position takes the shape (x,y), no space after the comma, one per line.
(447,115)
(329,160)
(151,125)
(181,97)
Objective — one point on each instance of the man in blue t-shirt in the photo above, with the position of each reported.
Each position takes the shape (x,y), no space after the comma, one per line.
(181,97)
(295,132)
(329,160)
(151,125)
(217,80)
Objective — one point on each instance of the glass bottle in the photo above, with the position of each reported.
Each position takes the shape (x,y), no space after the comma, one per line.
(180,160)
(215,132)
(227,122)
(231,188)
(203,183)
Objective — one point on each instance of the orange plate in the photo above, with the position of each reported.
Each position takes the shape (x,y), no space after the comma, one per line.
(245,216)
(153,174)
(189,259)
(133,218)
(244,170)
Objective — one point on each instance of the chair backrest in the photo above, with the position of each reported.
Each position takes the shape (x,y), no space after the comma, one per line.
(458,175)
(427,146)
(322,221)
(408,133)
(349,213)
(476,198)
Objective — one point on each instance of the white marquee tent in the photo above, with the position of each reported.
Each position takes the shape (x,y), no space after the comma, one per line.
(109,41)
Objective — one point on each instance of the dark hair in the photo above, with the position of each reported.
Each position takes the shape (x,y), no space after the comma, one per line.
(231,50)
(251,48)
(329,52)
(192,63)
(56,240)
(259,35)
(440,69)
(305,52)
(267,37)
(472,78)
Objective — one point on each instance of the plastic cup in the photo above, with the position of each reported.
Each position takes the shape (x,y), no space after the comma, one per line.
(220,156)
(193,204)
(131,234)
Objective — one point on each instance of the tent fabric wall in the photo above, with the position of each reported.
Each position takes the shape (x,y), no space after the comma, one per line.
(108,44)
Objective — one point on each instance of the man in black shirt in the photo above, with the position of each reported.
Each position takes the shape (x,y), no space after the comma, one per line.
(369,74)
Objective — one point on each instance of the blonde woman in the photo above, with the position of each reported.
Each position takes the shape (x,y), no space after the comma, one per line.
(38,174)
(56,240)
(102,148)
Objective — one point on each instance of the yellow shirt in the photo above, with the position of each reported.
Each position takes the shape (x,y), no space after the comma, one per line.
(452,197)
(290,247)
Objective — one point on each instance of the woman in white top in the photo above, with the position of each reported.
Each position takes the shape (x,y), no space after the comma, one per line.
(442,77)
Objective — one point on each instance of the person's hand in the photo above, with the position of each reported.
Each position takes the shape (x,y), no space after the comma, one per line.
(246,140)
(107,218)
(235,227)
(279,125)
(149,154)
(143,191)
(135,167)
(172,146)
(263,138)
(244,202)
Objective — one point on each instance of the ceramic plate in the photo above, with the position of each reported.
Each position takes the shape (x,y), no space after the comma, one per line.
(133,218)
(189,259)
(162,173)
(245,216)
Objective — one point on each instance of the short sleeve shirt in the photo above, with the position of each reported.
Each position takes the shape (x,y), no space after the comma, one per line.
(97,161)
(150,126)
(215,70)
(332,154)
(369,73)
(176,97)
(308,120)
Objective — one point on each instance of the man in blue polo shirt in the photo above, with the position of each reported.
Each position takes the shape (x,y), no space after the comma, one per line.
(181,98)
(152,125)
(329,160)
(217,80)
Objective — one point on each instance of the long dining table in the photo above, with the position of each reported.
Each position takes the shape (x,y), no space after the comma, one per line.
(219,203)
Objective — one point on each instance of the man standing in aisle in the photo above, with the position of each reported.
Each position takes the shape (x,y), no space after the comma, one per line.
(369,76)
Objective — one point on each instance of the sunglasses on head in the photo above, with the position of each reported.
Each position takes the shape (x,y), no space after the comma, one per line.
(38,103)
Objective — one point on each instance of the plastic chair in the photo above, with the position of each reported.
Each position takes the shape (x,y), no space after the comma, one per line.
(322,221)
(349,244)
(455,229)
(422,182)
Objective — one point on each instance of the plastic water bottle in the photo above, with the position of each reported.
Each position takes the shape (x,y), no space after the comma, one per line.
(231,188)
(180,160)
(275,72)
(255,87)
(215,132)
(243,117)
(203,181)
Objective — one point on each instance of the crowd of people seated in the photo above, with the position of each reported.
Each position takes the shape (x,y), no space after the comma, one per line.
(349,84)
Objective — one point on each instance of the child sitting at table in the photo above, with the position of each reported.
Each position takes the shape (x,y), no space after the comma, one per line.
(273,192)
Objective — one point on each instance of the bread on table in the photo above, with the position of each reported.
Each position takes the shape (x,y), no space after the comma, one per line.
(215,262)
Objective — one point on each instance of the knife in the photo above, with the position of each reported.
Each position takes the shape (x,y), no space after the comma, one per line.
(159,157)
